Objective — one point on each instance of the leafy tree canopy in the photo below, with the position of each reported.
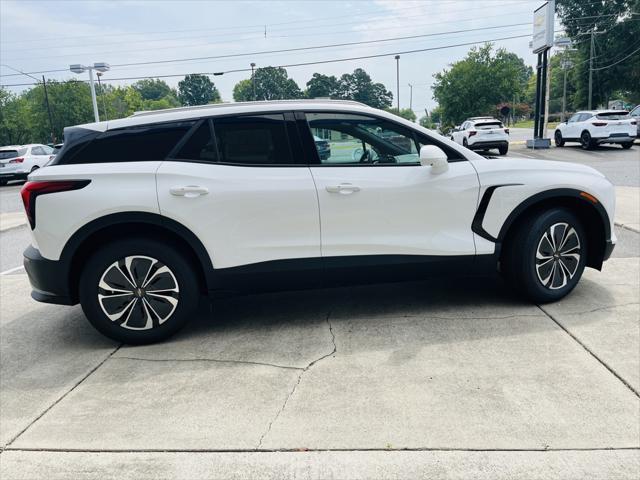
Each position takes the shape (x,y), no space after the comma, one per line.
(153,89)
(322,86)
(197,89)
(475,85)
(271,83)
(404,113)
(358,86)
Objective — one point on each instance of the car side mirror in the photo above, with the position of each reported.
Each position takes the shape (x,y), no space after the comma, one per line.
(434,157)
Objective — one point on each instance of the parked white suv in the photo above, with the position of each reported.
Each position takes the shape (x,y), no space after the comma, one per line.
(18,161)
(482,133)
(595,127)
(135,218)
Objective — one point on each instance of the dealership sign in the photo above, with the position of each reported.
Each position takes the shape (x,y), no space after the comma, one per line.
(543,20)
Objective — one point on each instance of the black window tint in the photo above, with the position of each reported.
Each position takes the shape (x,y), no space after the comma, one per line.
(200,146)
(138,144)
(253,140)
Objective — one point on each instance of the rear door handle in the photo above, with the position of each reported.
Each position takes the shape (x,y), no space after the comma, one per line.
(189,191)
(343,188)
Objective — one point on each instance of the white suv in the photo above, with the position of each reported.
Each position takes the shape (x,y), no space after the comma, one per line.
(18,161)
(135,218)
(482,133)
(593,128)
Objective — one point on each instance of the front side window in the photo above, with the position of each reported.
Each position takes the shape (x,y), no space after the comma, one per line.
(37,151)
(574,118)
(350,139)
(201,146)
(252,140)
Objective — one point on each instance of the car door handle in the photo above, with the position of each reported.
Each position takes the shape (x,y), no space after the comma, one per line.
(343,188)
(189,191)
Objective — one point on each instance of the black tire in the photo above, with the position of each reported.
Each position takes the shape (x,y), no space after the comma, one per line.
(586,141)
(527,274)
(3,182)
(141,325)
(503,149)
(465,144)
(558,139)
(627,145)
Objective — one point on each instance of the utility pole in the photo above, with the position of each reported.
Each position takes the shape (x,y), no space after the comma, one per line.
(46,98)
(410,97)
(104,104)
(253,79)
(397,57)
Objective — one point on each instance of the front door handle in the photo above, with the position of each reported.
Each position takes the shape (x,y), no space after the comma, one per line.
(189,191)
(343,188)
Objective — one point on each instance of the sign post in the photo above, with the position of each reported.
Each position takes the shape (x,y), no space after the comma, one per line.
(543,21)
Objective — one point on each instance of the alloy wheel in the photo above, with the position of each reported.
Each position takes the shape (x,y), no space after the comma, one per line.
(558,256)
(138,292)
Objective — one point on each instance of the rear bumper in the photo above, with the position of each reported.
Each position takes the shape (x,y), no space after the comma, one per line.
(48,278)
(482,144)
(617,139)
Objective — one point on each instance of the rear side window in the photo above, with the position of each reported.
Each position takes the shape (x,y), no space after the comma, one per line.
(252,140)
(37,151)
(136,144)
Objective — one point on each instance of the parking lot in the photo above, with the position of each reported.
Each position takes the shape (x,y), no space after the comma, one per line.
(452,378)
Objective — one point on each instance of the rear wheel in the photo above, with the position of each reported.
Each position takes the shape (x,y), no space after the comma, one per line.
(627,145)
(465,143)
(546,256)
(558,139)
(586,141)
(138,291)
(503,149)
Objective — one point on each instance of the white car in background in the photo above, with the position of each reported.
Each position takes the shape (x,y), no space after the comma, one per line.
(635,114)
(482,133)
(18,161)
(595,127)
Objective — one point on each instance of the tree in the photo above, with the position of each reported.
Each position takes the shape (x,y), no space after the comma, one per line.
(358,86)
(153,89)
(616,66)
(271,83)
(404,113)
(197,89)
(322,86)
(479,82)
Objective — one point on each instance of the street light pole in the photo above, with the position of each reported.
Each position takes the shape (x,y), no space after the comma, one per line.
(104,103)
(397,57)
(591,69)
(99,67)
(253,80)
(410,97)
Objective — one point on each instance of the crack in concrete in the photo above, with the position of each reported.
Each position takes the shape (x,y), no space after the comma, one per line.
(62,397)
(591,352)
(295,386)
(597,309)
(214,360)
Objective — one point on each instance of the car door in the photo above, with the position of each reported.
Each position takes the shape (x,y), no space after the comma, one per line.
(458,135)
(239,185)
(38,157)
(572,128)
(376,199)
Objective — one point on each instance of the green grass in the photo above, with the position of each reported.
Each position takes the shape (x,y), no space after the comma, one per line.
(529,124)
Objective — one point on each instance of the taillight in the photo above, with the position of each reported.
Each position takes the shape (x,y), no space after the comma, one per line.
(472,133)
(506,130)
(599,124)
(17,160)
(31,190)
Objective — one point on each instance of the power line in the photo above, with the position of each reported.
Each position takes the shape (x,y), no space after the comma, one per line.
(619,61)
(320,62)
(264,52)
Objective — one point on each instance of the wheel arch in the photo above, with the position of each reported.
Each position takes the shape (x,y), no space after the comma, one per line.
(101,231)
(592,215)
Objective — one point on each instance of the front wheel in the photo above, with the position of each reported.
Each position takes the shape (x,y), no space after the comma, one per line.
(138,291)
(465,144)
(558,139)
(546,256)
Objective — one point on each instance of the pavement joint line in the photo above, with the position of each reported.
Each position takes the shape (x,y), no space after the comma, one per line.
(62,397)
(312,450)
(11,270)
(626,227)
(602,362)
(215,360)
(295,386)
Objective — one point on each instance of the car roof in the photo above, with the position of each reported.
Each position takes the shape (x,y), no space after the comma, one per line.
(219,109)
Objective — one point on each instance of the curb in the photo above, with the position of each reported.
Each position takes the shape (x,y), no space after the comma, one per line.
(626,227)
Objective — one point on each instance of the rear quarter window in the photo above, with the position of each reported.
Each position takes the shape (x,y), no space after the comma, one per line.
(136,144)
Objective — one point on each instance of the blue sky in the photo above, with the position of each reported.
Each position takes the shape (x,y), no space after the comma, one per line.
(51,34)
